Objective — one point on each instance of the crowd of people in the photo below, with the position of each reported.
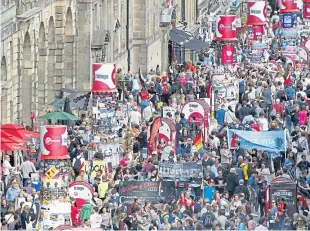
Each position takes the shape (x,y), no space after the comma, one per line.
(231,195)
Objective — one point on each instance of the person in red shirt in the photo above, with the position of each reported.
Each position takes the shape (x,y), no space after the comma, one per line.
(189,67)
(124,161)
(277,107)
(182,200)
(144,96)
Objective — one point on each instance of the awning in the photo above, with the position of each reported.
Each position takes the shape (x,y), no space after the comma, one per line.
(188,41)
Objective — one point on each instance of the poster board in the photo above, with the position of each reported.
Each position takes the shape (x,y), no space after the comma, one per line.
(180,170)
(154,191)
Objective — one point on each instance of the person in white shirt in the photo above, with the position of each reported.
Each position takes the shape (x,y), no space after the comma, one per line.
(95,218)
(135,117)
(262,122)
(148,112)
(6,169)
(230,116)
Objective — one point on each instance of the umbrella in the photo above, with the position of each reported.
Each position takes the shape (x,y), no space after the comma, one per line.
(11,126)
(7,139)
(58,115)
(12,147)
(18,131)
(67,107)
(5,135)
(13,130)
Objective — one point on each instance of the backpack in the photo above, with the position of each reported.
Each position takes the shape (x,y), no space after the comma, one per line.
(299,147)
(208,221)
(165,88)
(77,165)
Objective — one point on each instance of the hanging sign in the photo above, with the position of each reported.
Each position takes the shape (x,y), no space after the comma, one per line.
(104,79)
(287,6)
(257,13)
(53,143)
(226,28)
(227,55)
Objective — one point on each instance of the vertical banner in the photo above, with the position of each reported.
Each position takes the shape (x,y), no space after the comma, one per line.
(227,55)
(257,13)
(307,10)
(226,28)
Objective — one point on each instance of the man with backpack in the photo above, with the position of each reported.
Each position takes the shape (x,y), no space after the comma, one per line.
(166,91)
(77,163)
(208,218)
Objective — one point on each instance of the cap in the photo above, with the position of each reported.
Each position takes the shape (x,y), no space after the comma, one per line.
(241,182)
(211,181)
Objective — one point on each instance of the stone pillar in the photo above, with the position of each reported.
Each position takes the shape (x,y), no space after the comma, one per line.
(42,77)
(68,61)
(50,71)
(59,81)
(82,48)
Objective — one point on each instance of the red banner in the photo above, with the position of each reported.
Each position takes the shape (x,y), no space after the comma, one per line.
(104,77)
(226,28)
(53,142)
(287,6)
(307,10)
(257,13)
(227,54)
(255,32)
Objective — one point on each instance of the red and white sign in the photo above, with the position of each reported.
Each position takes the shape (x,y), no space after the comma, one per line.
(257,13)
(104,79)
(307,10)
(81,190)
(227,55)
(226,28)
(199,111)
(53,142)
(287,6)
(167,132)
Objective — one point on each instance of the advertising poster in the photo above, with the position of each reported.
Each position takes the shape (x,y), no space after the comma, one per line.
(257,13)
(104,77)
(226,28)
(53,142)
(227,55)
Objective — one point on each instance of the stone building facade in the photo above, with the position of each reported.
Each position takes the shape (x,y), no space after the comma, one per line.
(48,45)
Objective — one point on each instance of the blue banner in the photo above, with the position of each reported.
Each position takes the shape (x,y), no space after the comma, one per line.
(267,141)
